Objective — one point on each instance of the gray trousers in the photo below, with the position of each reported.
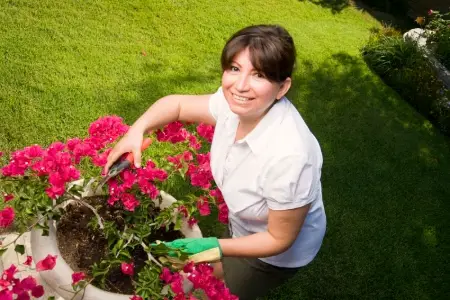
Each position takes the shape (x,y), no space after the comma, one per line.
(250,278)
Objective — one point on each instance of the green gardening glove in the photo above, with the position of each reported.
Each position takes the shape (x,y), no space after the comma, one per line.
(195,245)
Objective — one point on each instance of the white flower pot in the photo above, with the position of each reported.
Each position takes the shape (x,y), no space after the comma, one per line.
(60,277)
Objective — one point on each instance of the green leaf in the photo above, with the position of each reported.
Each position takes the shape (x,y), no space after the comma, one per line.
(20,249)
(3,250)
(178,224)
(165,290)
(51,298)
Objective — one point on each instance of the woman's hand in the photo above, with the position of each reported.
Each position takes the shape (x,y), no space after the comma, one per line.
(131,142)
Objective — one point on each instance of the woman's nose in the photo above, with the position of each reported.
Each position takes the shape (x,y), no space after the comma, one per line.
(242,83)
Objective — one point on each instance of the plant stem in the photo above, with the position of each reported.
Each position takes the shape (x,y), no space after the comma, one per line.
(99,219)
(19,235)
(149,255)
(83,289)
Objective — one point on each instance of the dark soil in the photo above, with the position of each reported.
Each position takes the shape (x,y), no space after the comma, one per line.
(81,246)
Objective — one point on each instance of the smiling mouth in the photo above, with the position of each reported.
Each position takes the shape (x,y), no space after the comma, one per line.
(241,99)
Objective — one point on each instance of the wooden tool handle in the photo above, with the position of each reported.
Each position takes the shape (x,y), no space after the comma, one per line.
(211,255)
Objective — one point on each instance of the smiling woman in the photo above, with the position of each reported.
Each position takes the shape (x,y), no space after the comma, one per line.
(264,159)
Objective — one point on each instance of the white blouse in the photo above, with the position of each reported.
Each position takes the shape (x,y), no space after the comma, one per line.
(276,166)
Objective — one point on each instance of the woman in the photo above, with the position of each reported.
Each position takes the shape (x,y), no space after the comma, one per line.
(264,159)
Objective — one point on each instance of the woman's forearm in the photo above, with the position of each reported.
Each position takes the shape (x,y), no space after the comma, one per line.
(161,113)
(258,245)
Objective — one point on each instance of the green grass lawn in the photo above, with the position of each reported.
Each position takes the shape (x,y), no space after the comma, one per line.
(386,174)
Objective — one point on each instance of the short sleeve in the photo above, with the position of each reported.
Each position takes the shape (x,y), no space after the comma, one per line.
(291,182)
(218,105)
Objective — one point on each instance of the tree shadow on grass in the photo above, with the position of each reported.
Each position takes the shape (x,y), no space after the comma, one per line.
(385,184)
(336,6)
(160,83)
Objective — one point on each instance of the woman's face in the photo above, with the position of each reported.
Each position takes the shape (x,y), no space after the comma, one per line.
(248,92)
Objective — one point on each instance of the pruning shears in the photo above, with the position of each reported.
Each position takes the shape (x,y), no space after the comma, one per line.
(122,164)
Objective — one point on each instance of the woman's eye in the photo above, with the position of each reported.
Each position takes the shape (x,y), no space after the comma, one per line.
(234,69)
(260,75)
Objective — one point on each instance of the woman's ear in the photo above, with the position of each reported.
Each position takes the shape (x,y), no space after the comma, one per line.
(284,88)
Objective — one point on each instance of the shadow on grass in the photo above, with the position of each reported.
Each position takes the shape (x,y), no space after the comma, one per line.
(156,86)
(336,6)
(385,184)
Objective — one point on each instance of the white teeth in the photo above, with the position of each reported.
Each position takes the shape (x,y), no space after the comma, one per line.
(240,98)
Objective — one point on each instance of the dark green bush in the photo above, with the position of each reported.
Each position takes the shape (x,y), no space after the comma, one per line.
(402,66)
(398,7)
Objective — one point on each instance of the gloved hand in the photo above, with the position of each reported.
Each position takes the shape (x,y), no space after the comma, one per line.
(199,249)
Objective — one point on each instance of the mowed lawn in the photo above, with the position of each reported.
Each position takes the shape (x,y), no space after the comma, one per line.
(386,173)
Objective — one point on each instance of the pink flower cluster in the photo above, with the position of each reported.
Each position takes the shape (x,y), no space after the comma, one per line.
(180,159)
(175,133)
(200,174)
(206,131)
(223,208)
(144,177)
(6,216)
(202,277)
(58,160)
(22,289)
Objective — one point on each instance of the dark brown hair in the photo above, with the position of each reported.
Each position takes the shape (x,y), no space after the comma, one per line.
(271,47)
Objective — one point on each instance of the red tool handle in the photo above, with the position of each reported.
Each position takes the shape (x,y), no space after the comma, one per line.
(145,143)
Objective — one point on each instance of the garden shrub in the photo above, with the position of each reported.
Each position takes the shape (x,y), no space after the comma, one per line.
(402,65)
(438,35)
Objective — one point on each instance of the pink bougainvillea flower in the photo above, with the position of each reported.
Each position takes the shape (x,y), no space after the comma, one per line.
(223,213)
(136,297)
(8,274)
(203,206)
(72,143)
(129,201)
(430,12)
(183,210)
(6,216)
(166,275)
(127,269)
(194,143)
(1,153)
(217,194)
(28,283)
(4,283)
(192,221)
(206,131)
(37,291)
(107,129)
(8,197)
(148,188)
(6,295)
(189,267)
(202,278)
(173,132)
(128,179)
(187,155)
(177,283)
(23,296)
(47,263)
(77,277)
(28,261)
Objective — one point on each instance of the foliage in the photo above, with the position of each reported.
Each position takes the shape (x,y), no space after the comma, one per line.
(37,183)
(398,7)
(403,67)
(438,35)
